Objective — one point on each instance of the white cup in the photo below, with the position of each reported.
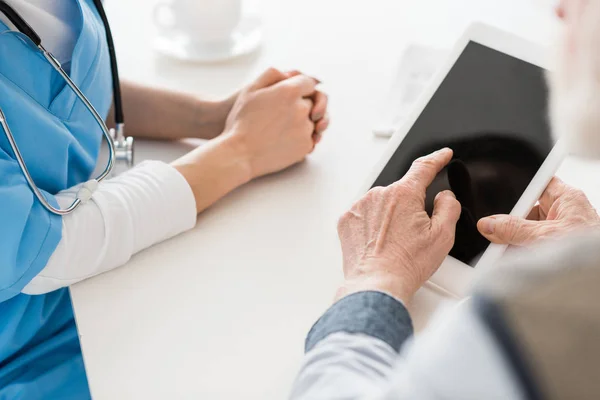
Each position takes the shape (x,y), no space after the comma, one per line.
(205,21)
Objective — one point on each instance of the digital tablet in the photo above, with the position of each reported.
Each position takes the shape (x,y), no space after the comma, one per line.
(489,103)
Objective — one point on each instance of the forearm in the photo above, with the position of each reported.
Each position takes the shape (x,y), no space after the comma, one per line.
(162,114)
(214,169)
(142,207)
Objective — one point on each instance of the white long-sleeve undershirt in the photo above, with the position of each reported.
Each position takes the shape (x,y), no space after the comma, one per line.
(142,207)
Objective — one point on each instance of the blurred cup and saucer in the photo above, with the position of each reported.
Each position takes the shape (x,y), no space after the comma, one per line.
(205,30)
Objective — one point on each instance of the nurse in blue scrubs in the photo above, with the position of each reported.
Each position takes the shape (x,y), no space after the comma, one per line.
(273,123)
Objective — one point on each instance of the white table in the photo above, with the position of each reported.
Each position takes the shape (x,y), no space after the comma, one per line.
(221,312)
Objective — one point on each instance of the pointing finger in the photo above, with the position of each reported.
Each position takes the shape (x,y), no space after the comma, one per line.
(424,170)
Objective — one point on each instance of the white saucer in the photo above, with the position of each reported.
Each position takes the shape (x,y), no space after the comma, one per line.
(245,39)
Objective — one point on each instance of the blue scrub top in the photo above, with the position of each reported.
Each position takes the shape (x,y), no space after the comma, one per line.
(40,356)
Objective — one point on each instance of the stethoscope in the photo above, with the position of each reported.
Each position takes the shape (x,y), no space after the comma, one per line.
(120,148)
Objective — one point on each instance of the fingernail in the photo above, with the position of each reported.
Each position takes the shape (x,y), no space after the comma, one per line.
(445,193)
(449,193)
(488,226)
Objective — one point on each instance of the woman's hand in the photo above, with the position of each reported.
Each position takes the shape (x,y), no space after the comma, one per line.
(273,121)
(270,126)
(179,115)
(561,209)
(389,242)
(319,115)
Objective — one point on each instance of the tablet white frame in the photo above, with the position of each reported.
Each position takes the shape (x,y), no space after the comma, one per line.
(454,275)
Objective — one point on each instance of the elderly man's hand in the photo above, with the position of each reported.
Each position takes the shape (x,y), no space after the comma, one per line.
(389,242)
(561,209)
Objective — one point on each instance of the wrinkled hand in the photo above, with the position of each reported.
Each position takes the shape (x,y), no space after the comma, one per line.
(277,120)
(389,242)
(562,209)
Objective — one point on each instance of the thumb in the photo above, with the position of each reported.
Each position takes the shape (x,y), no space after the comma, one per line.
(507,229)
(268,78)
(446,212)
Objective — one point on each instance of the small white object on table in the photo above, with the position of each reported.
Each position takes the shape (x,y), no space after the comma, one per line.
(221,312)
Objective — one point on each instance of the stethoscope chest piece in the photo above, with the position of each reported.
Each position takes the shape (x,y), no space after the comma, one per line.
(123,147)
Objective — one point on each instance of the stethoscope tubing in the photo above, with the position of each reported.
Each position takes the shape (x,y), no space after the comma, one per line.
(90,186)
(15,148)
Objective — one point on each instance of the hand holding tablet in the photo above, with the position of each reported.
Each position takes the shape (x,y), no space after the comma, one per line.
(389,242)
(561,210)
(488,104)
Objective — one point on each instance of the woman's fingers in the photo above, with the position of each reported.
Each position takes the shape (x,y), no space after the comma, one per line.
(320,108)
(319,98)
(320,102)
(303,86)
(322,125)
(292,73)
(268,78)
(306,107)
(273,76)
(296,87)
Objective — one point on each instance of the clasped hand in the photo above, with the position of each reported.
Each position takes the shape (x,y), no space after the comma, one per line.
(270,125)
(277,120)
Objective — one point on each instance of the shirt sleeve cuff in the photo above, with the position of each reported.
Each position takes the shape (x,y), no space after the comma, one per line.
(179,198)
(374,314)
(165,197)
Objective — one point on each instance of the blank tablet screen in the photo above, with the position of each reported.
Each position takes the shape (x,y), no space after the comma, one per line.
(491,109)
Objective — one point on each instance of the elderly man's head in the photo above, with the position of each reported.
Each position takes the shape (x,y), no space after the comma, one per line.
(575,84)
